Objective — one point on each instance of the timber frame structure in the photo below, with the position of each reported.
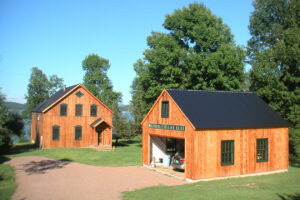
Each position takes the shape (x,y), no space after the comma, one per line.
(72,117)
(223,133)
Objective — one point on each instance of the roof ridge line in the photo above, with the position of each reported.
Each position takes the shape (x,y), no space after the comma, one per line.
(216,91)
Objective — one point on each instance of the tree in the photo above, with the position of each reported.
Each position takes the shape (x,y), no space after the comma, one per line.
(121,127)
(39,89)
(199,52)
(96,80)
(11,123)
(274,53)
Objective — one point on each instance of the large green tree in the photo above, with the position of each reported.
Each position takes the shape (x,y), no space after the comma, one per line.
(274,53)
(97,81)
(39,89)
(198,52)
(11,124)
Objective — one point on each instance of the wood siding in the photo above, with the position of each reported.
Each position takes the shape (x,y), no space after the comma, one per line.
(207,154)
(176,117)
(67,123)
(203,147)
(36,128)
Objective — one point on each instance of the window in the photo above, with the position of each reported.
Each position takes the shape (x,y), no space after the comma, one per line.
(63,109)
(227,152)
(55,132)
(78,132)
(79,94)
(78,110)
(165,109)
(262,150)
(93,110)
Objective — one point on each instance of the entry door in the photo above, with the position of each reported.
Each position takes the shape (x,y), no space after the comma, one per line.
(99,137)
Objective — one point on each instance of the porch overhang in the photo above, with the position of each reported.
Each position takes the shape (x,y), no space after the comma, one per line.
(98,122)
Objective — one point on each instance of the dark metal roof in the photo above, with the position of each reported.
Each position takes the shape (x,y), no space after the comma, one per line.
(45,104)
(96,122)
(226,109)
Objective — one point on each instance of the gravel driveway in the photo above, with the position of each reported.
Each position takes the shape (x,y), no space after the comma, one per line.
(43,178)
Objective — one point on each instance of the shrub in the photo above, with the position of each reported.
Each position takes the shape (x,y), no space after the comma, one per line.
(294,145)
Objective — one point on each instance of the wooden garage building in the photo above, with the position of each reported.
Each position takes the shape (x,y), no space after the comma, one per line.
(72,117)
(223,133)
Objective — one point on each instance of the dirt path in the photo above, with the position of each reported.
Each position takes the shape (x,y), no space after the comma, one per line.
(43,178)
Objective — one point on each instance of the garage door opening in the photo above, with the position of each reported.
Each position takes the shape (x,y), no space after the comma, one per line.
(168,154)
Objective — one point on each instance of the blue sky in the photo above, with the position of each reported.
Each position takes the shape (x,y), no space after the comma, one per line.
(57,35)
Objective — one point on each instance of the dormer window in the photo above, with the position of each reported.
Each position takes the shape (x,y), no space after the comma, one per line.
(165,109)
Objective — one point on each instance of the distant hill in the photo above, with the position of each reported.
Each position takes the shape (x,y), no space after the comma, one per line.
(124,108)
(14,106)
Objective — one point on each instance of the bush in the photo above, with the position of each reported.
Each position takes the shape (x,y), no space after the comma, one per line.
(294,145)
(5,140)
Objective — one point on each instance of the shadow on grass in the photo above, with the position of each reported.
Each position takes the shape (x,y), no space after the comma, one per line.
(41,167)
(295,196)
(124,143)
(22,148)
(3,159)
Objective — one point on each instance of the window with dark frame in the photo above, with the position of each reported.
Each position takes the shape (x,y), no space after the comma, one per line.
(93,110)
(55,132)
(79,94)
(78,110)
(165,109)
(63,109)
(227,152)
(78,132)
(262,150)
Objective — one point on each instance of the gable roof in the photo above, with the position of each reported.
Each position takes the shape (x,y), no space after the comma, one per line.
(47,102)
(50,102)
(225,109)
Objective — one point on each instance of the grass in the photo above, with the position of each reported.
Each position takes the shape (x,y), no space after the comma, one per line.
(7,181)
(127,153)
(283,186)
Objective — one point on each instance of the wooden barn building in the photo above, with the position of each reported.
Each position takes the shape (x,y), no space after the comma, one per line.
(220,133)
(72,117)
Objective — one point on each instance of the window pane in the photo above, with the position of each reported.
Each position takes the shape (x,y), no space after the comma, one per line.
(165,109)
(227,152)
(63,109)
(78,133)
(262,150)
(78,110)
(55,133)
(93,110)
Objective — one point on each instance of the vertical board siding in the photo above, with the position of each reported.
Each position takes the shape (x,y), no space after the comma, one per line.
(203,147)
(175,118)
(208,154)
(67,123)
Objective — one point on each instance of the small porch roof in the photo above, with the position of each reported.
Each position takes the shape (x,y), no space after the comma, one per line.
(98,122)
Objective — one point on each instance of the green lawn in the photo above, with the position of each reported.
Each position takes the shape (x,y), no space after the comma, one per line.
(281,186)
(7,181)
(128,153)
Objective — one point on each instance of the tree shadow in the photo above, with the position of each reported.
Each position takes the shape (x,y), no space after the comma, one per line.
(126,142)
(22,148)
(41,167)
(3,159)
(295,196)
